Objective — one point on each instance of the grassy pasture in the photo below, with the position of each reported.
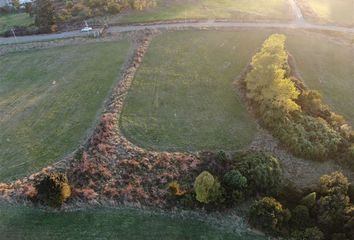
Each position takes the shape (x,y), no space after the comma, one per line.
(182,97)
(209,9)
(328,67)
(8,21)
(19,222)
(339,12)
(49,99)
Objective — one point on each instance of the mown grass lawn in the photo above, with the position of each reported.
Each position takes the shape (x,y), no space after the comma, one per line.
(334,11)
(106,223)
(9,21)
(49,99)
(182,97)
(326,66)
(210,9)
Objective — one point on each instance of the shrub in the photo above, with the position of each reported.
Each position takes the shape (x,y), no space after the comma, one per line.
(262,170)
(309,234)
(269,215)
(207,188)
(235,180)
(351,192)
(332,204)
(349,221)
(53,189)
(300,217)
(309,200)
(334,183)
(289,194)
(176,189)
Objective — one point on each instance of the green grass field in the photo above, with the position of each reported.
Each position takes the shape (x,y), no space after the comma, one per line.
(210,9)
(49,99)
(182,97)
(121,224)
(335,11)
(8,21)
(328,67)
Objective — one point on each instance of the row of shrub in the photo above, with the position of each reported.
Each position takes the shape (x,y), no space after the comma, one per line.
(295,115)
(226,181)
(281,209)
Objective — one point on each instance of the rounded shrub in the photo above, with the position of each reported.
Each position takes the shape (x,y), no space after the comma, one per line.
(235,180)
(262,170)
(207,188)
(53,189)
(269,215)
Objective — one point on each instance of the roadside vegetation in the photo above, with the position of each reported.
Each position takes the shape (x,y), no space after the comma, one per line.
(49,99)
(8,21)
(182,96)
(338,12)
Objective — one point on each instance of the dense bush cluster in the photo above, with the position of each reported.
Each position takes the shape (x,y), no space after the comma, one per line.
(325,214)
(53,189)
(243,175)
(295,115)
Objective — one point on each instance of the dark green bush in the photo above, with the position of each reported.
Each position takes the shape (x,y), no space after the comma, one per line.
(308,234)
(269,215)
(235,180)
(333,202)
(53,189)
(351,192)
(300,217)
(262,170)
